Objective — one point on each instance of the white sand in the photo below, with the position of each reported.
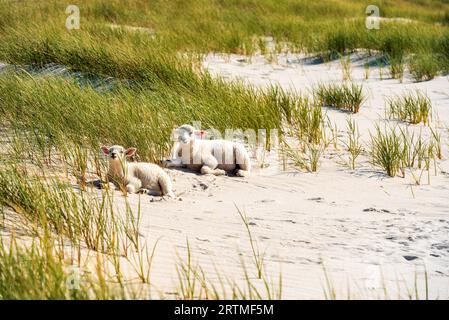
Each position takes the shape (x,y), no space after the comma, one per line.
(360,223)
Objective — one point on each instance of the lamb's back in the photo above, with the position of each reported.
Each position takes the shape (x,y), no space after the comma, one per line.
(148,173)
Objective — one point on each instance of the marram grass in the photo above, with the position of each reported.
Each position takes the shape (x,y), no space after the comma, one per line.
(412,107)
(62,111)
(347,97)
(330,28)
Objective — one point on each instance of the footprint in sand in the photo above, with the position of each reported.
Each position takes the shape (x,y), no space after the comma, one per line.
(410,258)
(265,201)
(376,210)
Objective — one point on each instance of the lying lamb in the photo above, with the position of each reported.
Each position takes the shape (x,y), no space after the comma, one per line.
(208,156)
(136,176)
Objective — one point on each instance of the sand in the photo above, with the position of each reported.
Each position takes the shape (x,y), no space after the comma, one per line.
(369,231)
(365,230)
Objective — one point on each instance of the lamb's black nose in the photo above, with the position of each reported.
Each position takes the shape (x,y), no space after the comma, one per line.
(113,156)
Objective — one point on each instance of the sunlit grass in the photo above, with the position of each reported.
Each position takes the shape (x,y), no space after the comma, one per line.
(394,149)
(424,67)
(410,107)
(344,97)
(159,83)
(65,112)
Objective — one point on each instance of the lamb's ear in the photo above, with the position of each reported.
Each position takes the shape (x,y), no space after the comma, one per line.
(200,133)
(130,152)
(105,150)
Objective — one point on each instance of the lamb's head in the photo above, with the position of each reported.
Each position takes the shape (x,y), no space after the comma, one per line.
(118,153)
(187,133)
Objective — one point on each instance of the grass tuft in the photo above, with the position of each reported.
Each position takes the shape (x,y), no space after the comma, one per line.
(344,97)
(413,108)
(424,67)
(386,150)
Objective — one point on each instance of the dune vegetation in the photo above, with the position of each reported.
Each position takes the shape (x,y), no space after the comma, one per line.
(52,126)
(34,32)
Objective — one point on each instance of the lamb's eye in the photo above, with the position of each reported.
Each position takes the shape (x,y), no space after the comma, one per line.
(121,151)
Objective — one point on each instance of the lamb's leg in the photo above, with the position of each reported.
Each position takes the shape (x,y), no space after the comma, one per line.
(242,173)
(210,166)
(175,160)
(170,163)
(143,191)
(130,188)
(165,186)
(243,161)
(216,172)
(133,185)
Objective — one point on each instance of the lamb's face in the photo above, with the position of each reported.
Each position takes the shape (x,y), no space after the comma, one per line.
(118,153)
(185,134)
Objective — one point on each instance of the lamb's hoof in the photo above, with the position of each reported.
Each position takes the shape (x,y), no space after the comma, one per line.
(143,191)
(241,173)
(130,189)
(219,172)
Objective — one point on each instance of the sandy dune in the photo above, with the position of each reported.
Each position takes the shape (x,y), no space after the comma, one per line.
(366,230)
(370,231)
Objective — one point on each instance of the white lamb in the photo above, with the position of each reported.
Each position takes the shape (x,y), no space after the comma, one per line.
(208,156)
(137,176)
